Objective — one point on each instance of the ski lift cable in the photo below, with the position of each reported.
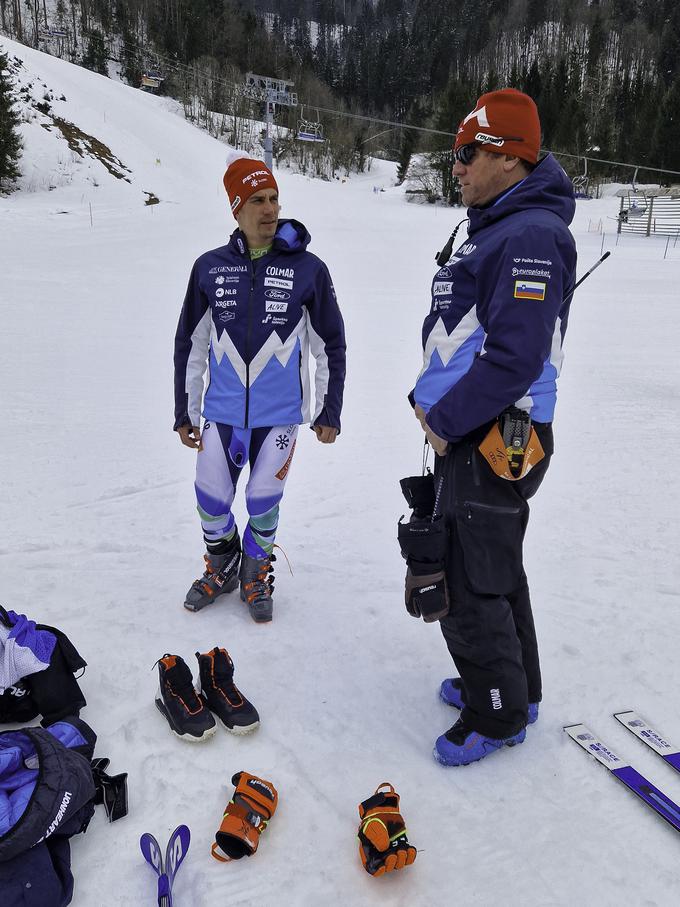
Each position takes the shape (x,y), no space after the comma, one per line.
(188,69)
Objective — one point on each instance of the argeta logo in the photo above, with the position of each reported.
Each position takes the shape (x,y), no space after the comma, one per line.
(236,203)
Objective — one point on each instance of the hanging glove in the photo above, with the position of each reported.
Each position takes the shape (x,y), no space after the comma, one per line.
(245,818)
(383,845)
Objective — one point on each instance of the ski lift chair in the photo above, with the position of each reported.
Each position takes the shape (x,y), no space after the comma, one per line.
(309,130)
(151,81)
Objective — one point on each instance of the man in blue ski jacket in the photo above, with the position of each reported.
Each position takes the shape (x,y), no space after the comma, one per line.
(485,398)
(253,311)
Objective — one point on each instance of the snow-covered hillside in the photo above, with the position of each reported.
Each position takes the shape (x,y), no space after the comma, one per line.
(99,536)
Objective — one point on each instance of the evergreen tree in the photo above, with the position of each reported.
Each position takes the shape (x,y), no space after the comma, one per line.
(669,52)
(666,138)
(10,141)
(408,145)
(96,55)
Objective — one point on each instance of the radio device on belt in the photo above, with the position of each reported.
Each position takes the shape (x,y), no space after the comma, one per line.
(511,447)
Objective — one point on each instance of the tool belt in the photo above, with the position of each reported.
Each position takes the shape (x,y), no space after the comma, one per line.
(511,447)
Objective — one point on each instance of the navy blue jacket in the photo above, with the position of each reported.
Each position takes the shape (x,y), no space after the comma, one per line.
(253,323)
(46,794)
(498,316)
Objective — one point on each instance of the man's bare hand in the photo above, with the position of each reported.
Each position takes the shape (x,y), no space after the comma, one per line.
(325,433)
(190,436)
(420,416)
(439,445)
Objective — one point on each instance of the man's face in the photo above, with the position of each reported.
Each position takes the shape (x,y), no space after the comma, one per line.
(483,178)
(259,217)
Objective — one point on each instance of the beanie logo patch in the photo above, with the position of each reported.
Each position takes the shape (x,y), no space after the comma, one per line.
(480,116)
(485,139)
(236,203)
(256,173)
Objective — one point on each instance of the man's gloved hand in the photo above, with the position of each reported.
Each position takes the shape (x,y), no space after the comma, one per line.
(383,845)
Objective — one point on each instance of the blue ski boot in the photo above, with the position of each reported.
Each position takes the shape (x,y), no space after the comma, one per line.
(451,692)
(461,746)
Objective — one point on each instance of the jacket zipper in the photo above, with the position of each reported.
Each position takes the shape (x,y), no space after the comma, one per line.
(250,305)
(472,461)
(491,508)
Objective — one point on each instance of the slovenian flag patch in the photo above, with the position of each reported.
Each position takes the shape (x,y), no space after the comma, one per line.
(529,289)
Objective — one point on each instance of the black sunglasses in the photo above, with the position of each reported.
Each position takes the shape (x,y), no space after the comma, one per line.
(466,153)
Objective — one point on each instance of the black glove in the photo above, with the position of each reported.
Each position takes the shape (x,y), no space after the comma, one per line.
(423,544)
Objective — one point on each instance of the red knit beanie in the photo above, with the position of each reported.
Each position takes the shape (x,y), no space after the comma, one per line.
(504,121)
(244,176)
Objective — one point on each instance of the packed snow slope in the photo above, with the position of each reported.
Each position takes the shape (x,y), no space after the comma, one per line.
(99,536)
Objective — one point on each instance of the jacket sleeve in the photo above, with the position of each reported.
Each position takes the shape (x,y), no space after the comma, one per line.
(326,333)
(519,332)
(192,343)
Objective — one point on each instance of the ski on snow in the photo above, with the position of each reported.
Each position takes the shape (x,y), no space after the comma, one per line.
(174,854)
(625,773)
(643,731)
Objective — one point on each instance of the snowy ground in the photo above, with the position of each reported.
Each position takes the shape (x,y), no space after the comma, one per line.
(99,536)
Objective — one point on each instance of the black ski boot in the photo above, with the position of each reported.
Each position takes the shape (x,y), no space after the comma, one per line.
(218,691)
(221,575)
(257,586)
(179,702)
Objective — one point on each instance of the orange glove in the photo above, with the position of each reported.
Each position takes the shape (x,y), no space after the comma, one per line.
(245,818)
(383,845)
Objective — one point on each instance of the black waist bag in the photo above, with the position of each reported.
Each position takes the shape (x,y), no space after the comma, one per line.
(424,541)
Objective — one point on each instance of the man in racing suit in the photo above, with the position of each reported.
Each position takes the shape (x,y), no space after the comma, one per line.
(253,311)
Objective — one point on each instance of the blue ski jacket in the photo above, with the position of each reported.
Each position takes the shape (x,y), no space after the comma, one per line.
(499,309)
(252,323)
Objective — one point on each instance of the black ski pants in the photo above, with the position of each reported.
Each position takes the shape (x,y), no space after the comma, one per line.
(489,629)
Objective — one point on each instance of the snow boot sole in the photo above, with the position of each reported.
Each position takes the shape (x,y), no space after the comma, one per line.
(240,731)
(190,738)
